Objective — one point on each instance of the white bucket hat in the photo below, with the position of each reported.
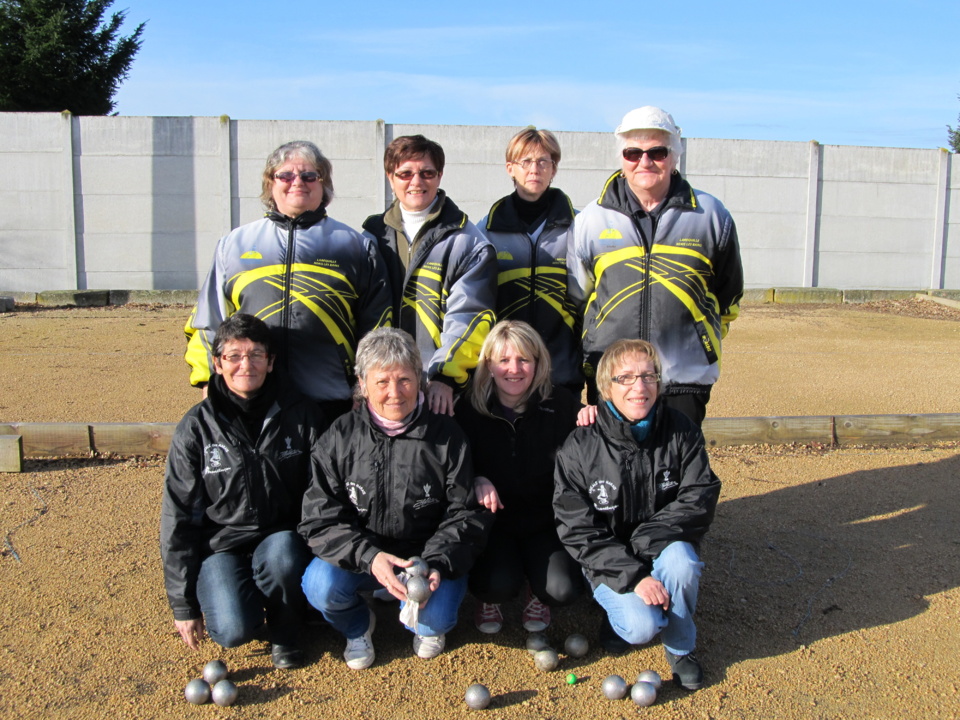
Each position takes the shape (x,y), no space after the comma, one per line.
(648,117)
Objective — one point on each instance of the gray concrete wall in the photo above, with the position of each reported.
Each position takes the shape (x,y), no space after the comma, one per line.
(139,203)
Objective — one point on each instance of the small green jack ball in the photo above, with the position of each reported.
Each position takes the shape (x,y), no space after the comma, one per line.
(571,679)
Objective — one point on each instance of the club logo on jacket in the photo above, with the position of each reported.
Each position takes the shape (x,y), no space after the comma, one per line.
(427,500)
(666,481)
(215,458)
(251,255)
(354,492)
(289,452)
(603,493)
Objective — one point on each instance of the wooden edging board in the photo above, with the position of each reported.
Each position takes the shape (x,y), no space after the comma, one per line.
(137,439)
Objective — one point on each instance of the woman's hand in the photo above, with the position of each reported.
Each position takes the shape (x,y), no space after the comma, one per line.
(440,398)
(487,494)
(191,631)
(652,592)
(434,578)
(382,568)
(587,416)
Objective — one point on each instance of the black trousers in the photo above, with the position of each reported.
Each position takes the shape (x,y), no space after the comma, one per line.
(540,558)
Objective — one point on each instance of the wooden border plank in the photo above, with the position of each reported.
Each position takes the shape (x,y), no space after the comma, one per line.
(132,438)
(896,429)
(774,430)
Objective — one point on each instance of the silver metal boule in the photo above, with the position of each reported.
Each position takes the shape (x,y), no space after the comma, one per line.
(614,687)
(197,692)
(576,645)
(224,693)
(214,671)
(418,567)
(418,589)
(547,659)
(652,677)
(477,696)
(643,694)
(536,642)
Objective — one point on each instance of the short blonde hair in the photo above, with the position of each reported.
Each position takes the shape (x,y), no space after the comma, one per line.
(527,342)
(527,139)
(614,356)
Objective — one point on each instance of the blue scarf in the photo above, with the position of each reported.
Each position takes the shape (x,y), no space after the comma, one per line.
(640,428)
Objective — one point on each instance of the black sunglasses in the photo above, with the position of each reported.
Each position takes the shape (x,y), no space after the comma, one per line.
(656,154)
(289,177)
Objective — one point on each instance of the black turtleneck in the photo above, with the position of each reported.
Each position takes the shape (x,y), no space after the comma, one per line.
(245,413)
(532,213)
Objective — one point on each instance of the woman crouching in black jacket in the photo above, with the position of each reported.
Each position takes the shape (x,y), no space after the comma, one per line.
(515,421)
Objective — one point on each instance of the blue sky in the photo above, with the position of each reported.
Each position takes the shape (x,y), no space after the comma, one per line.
(842,73)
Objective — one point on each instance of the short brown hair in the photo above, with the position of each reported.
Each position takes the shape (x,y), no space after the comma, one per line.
(408,147)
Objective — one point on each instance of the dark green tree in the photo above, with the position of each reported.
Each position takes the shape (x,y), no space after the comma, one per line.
(63,55)
(953,135)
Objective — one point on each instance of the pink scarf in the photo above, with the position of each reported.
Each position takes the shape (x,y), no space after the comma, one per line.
(392,428)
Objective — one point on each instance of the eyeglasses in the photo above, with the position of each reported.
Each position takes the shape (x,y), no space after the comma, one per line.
(289,177)
(630,379)
(657,154)
(256,357)
(408,174)
(527,163)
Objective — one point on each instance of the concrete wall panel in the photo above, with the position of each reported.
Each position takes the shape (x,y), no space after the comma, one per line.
(846,270)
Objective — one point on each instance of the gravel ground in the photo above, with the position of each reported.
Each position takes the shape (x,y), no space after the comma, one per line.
(831,588)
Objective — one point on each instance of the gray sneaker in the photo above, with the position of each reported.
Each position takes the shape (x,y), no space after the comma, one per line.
(359,653)
(428,647)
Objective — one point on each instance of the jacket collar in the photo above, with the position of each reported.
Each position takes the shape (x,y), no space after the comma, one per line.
(304,220)
(619,430)
(503,215)
(615,194)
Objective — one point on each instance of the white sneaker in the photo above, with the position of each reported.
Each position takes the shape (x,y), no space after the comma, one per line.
(429,646)
(359,653)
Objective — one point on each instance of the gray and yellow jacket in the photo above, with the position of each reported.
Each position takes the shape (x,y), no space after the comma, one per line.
(317,283)
(679,289)
(532,280)
(444,287)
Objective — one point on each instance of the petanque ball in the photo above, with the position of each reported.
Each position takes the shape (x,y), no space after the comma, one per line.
(576,645)
(418,589)
(652,677)
(477,697)
(214,671)
(224,693)
(197,692)
(643,694)
(546,659)
(614,687)
(571,679)
(536,642)
(418,567)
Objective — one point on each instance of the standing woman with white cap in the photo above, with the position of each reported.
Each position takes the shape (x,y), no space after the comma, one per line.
(654,259)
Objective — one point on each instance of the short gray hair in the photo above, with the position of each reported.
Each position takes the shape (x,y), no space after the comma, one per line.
(384,348)
(304,150)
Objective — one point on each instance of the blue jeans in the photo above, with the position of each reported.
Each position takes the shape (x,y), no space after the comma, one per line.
(678,567)
(239,591)
(336,593)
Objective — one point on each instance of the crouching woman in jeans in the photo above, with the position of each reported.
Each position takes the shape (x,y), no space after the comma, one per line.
(238,466)
(634,495)
(391,480)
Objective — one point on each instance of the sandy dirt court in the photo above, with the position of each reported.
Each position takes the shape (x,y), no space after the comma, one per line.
(832,586)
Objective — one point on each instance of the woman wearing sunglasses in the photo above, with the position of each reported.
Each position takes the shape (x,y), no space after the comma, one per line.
(318,284)
(529,229)
(443,272)
(652,258)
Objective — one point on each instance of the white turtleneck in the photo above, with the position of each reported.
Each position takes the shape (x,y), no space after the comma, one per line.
(413,221)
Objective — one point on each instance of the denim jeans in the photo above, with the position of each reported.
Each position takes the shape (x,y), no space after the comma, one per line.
(336,593)
(238,592)
(678,567)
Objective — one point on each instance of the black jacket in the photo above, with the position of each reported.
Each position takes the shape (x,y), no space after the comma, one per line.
(619,503)
(411,494)
(227,491)
(518,457)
